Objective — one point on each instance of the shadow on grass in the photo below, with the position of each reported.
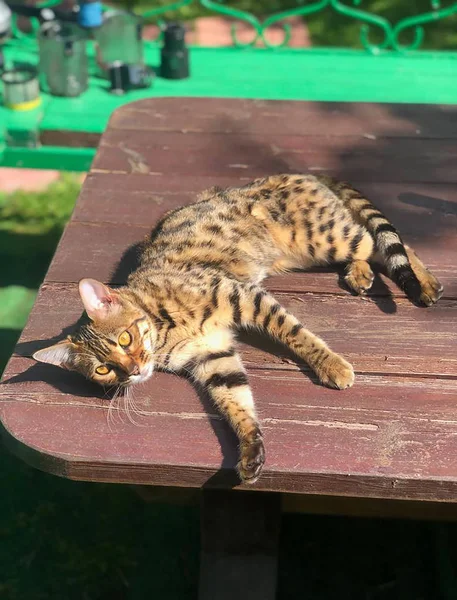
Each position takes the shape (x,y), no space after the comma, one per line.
(26,257)
(8,339)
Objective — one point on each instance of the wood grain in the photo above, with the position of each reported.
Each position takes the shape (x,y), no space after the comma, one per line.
(117,255)
(392,436)
(218,115)
(383,337)
(120,210)
(134,199)
(351,157)
(361,442)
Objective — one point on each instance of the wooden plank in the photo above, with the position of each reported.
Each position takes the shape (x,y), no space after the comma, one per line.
(137,200)
(381,337)
(354,158)
(415,208)
(239,545)
(69,139)
(104,251)
(358,507)
(318,505)
(388,437)
(223,115)
(109,252)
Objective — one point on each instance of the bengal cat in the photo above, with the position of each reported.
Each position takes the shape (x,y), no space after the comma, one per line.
(200,278)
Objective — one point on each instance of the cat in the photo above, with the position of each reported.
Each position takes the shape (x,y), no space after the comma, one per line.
(199,280)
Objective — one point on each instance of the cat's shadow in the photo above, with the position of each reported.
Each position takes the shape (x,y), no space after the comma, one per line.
(379,293)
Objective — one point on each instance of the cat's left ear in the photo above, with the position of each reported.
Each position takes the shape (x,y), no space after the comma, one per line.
(58,354)
(99,300)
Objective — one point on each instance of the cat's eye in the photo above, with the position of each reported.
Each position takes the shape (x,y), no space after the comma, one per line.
(102,370)
(125,339)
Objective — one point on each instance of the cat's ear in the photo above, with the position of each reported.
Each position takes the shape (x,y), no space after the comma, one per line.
(58,354)
(100,302)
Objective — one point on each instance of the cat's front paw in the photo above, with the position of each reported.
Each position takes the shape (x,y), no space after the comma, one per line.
(336,372)
(252,459)
(432,289)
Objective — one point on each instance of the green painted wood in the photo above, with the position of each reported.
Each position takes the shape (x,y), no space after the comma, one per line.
(48,157)
(276,75)
(334,75)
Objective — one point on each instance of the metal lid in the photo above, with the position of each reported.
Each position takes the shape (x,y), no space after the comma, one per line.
(19,75)
(66,32)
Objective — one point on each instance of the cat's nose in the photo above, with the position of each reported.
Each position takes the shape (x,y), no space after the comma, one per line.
(134,369)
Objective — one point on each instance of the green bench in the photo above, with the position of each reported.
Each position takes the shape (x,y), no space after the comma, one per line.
(63,133)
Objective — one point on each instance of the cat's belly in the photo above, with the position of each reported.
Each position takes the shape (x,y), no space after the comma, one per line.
(289,263)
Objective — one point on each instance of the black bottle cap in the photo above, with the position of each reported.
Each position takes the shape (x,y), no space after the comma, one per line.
(174,37)
(125,77)
(174,54)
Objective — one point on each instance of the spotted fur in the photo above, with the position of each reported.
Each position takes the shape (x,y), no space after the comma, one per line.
(200,280)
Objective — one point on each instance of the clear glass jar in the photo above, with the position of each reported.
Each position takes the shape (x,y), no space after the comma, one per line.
(63,59)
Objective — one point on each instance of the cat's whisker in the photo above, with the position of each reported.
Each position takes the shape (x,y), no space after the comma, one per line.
(111,408)
(114,406)
(136,410)
(128,406)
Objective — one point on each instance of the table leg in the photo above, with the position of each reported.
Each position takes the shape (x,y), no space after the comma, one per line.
(239,546)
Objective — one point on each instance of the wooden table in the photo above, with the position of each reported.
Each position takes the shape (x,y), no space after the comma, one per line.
(393,436)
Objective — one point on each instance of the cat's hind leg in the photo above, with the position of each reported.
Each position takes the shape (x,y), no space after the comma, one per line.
(430,286)
(359,276)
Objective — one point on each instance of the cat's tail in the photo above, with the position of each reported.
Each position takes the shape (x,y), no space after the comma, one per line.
(388,242)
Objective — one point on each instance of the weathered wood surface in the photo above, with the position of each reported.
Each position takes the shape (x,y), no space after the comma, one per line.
(393,435)
(380,335)
(395,444)
(117,255)
(352,157)
(218,115)
(425,213)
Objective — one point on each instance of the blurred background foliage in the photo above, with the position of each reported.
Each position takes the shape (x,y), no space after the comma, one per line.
(327,28)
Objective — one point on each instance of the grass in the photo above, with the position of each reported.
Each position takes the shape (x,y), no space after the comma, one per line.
(30,227)
(83,541)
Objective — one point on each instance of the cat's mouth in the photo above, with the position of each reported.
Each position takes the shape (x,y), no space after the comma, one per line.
(144,374)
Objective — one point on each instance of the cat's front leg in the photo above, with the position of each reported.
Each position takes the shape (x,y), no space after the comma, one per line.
(262,311)
(221,374)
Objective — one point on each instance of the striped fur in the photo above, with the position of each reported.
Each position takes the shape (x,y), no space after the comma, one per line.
(200,280)
(387,239)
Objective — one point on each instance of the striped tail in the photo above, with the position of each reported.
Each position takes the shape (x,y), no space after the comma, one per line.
(387,239)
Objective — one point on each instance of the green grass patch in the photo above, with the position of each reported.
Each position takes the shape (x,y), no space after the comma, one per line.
(31,224)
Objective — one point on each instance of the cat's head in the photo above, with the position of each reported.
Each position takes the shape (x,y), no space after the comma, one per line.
(115,347)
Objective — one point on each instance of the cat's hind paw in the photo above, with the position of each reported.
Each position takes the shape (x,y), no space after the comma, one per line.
(359,276)
(432,289)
